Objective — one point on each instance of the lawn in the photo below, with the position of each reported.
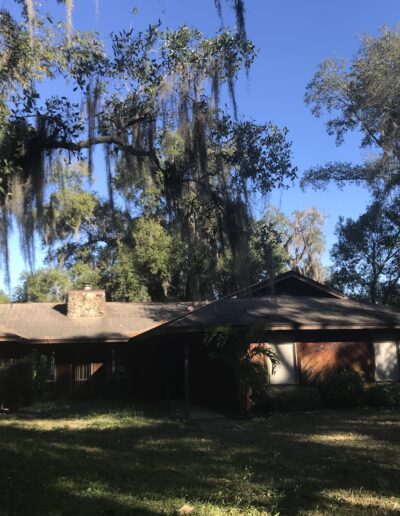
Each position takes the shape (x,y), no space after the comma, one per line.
(108,460)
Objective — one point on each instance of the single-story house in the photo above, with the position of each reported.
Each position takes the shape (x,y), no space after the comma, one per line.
(158,349)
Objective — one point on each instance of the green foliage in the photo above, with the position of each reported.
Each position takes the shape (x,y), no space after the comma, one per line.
(69,206)
(121,280)
(4,298)
(384,395)
(305,244)
(266,245)
(16,383)
(172,155)
(361,95)
(23,380)
(40,372)
(67,210)
(81,273)
(152,248)
(364,95)
(342,388)
(43,286)
(288,399)
(280,242)
(366,258)
(242,353)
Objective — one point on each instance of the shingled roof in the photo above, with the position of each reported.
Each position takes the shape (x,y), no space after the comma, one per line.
(291,283)
(46,322)
(291,313)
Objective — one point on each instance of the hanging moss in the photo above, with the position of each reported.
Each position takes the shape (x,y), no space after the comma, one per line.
(218,6)
(69,5)
(240,18)
(215,86)
(110,187)
(164,139)
(91,99)
(5,224)
(30,10)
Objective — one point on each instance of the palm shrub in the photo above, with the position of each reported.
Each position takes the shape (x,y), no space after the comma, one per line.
(243,352)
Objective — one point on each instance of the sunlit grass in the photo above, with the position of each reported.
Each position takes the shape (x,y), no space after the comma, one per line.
(109,459)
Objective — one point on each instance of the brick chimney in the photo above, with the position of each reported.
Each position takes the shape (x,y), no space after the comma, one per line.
(86,303)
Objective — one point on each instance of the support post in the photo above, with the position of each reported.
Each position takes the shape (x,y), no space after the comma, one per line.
(166,378)
(187,380)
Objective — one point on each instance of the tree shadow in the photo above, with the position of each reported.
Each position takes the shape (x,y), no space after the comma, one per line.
(139,465)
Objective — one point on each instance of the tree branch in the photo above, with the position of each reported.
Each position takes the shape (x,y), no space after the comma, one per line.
(97,140)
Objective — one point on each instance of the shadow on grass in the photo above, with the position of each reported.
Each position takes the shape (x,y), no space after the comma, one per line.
(328,462)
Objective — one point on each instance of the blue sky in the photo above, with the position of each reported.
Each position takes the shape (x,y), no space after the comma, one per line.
(292,38)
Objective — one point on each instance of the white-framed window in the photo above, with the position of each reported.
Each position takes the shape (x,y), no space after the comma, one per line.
(285,372)
(387,364)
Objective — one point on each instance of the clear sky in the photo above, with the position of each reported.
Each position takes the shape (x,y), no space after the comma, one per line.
(292,38)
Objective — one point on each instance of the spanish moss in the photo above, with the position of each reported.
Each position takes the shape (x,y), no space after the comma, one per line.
(30,11)
(92,100)
(110,186)
(215,86)
(240,18)
(97,9)
(69,5)
(218,6)
(5,224)
(170,150)
(232,94)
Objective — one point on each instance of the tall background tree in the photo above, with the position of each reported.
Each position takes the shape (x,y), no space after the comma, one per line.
(364,95)
(366,258)
(180,169)
(283,242)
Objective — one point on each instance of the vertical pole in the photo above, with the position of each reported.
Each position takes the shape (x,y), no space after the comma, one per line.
(187,380)
(166,377)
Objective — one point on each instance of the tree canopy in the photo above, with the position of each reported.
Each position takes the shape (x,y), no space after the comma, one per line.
(367,255)
(283,242)
(180,168)
(364,95)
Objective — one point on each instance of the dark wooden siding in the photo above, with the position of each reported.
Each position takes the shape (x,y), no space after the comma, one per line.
(317,358)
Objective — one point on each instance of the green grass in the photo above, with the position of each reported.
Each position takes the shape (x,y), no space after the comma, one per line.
(110,460)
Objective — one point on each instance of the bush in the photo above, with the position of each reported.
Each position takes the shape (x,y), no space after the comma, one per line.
(40,371)
(16,383)
(23,380)
(287,399)
(342,388)
(384,395)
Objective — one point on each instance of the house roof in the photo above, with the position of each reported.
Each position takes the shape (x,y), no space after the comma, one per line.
(292,313)
(293,283)
(7,335)
(47,322)
(324,309)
